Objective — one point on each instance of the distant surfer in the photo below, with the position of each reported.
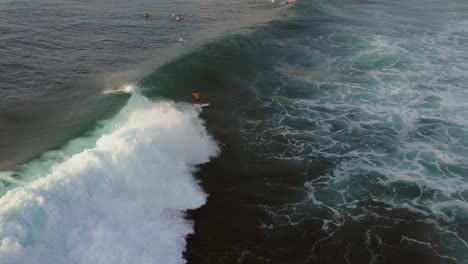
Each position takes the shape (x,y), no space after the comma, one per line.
(173,15)
(181,39)
(178,18)
(196,97)
(146,15)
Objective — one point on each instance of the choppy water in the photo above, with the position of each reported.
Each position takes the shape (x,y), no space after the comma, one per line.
(340,126)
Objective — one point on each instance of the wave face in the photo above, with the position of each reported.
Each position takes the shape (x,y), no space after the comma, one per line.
(56,62)
(119,201)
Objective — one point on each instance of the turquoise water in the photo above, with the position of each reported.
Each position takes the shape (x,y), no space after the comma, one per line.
(337,133)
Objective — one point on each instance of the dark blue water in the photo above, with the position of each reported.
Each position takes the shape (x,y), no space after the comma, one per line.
(337,132)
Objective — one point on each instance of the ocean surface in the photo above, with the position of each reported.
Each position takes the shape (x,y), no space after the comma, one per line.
(337,131)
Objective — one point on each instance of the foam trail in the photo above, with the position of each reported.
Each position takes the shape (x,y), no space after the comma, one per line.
(121,201)
(7,176)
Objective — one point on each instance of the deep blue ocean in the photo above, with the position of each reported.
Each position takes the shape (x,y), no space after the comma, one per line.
(337,131)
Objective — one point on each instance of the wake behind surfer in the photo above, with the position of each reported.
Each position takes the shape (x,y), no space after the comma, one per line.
(196,97)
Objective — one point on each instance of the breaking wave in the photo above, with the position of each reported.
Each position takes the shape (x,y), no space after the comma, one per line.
(114,197)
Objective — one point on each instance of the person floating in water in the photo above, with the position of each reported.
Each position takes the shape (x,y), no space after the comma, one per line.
(173,15)
(178,18)
(181,39)
(146,15)
(196,97)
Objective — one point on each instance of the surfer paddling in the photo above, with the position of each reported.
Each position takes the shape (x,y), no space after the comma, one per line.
(196,97)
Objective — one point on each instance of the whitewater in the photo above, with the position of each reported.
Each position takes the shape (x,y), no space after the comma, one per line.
(119,201)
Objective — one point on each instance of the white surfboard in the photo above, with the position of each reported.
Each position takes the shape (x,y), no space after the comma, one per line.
(202,105)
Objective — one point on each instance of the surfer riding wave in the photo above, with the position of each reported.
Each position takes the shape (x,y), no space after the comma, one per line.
(196,97)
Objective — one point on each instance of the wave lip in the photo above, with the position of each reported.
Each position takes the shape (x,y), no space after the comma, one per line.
(119,202)
(126,89)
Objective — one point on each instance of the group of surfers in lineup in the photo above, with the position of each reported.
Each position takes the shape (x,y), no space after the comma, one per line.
(178,18)
(195,95)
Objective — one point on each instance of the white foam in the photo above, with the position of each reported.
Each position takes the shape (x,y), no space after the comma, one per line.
(121,201)
(125,89)
(7,176)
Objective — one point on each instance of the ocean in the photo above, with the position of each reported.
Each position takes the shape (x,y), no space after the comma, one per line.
(337,131)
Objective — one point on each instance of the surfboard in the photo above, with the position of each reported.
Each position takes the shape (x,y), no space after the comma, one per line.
(202,105)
